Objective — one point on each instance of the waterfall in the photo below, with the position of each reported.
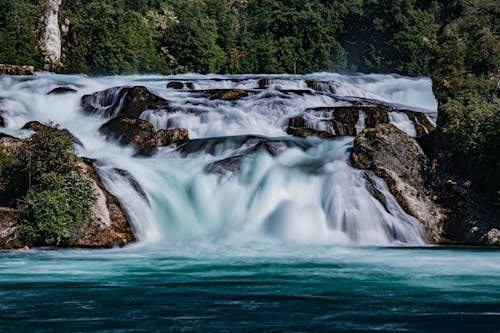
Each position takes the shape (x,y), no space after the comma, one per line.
(224,186)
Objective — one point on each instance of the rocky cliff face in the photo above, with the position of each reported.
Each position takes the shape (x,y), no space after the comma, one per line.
(449,211)
(50,34)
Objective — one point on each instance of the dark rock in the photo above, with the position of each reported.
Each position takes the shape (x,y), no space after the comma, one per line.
(16,70)
(141,133)
(228,94)
(322,86)
(247,144)
(304,132)
(263,83)
(298,121)
(37,126)
(175,85)
(130,102)
(61,91)
(449,211)
(345,120)
(132,181)
(2,122)
(225,167)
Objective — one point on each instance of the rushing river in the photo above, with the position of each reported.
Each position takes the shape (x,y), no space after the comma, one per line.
(288,241)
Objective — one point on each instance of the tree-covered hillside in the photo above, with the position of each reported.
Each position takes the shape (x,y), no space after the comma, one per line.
(228,36)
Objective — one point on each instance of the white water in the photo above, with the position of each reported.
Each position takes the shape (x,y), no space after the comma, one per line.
(306,194)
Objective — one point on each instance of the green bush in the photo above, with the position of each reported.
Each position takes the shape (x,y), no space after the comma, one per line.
(55,211)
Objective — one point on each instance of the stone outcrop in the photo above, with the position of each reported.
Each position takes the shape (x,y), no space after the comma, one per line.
(304,132)
(50,34)
(142,134)
(350,120)
(449,214)
(228,94)
(120,102)
(180,85)
(62,90)
(37,126)
(16,70)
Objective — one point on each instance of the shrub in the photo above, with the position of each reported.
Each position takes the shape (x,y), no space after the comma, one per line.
(55,211)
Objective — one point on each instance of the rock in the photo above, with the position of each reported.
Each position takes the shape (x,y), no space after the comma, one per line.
(130,102)
(322,86)
(304,132)
(24,248)
(451,213)
(9,144)
(492,238)
(141,133)
(350,120)
(263,83)
(37,126)
(108,225)
(50,38)
(2,121)
(298,121)
(228,94)
(398,159)
(8,225)
(61,91)
(175,85)
(16,70)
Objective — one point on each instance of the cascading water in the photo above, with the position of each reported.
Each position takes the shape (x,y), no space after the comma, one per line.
(298,190)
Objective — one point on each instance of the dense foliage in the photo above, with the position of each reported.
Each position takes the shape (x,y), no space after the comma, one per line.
(465,71)
(42,179)
(228,36)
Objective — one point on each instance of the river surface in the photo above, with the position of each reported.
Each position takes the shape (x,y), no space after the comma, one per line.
(289,239)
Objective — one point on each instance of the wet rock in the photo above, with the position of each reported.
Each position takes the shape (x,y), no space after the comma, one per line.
(350,120)
(108,225)
(132,181)
(322,86)
(304,132)
(130,102)
(225,167)
(228,94)
(451,213)
(175,85)
(398,159)
(16,70)
(2,122)
(141,133)
(263,83)
(492,238)
(62,90)
(298,121)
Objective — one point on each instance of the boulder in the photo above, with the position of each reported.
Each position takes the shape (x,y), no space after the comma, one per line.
(8,223)
(322,86)
(263,83)
(398,159)
(2,121)
(350,120)
(228,94)
(130,102)
(142,134)
(304,132)
(108,225)
(298,121)
(175,85)
(451,213)
(16,70)
(62,90)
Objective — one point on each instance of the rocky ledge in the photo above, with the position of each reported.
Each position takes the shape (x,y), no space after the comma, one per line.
(451,212)
(16,70)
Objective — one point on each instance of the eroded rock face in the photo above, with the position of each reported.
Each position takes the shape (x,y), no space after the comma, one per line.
(107,226)
(16,70)
(50,40)
(448,211)
(130,102)
(350,120)
(304,132)
(398,159)
(62,90)
(141,133)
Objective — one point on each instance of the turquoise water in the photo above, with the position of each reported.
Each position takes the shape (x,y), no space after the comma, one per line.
(229,288)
